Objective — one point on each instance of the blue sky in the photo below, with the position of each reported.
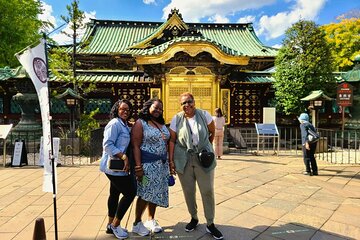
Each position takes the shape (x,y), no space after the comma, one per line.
(270,17)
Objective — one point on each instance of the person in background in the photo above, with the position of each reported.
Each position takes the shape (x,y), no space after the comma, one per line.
(192,131)
(149,138)
(308,148)
(219,121)
(115,143)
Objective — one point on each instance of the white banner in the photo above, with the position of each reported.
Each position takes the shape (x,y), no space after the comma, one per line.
(34,62)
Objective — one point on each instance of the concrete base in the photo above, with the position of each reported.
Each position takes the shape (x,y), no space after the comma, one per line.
(70,146)
(226,149)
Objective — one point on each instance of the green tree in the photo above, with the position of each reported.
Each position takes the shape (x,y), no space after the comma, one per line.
(62,64)
(344,39)
(19,28)
(303,64)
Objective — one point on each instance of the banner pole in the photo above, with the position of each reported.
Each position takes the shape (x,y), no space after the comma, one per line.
(51,144)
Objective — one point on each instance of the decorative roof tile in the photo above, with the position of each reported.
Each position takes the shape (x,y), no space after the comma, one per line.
(120,37)
(109,76)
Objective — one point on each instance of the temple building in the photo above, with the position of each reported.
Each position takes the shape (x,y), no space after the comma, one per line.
(222,65)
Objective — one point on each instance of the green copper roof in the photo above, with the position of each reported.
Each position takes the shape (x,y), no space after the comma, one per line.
(109,76)
(252,77)
(316,95)
(6,73)
(259,79)
(354,74)
(160,48)
(116,37)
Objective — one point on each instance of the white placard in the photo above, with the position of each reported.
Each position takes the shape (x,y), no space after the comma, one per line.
(17,154)
(4,130)
(269,115)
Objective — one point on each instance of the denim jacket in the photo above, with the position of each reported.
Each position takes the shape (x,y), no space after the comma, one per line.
(116,139)
(304,126)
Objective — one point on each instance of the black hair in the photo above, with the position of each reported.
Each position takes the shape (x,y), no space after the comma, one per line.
(114,112)
(144,114)
(218,112)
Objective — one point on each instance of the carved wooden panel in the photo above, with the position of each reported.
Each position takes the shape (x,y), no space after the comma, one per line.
(225,104)
(137,95)
(245,104)
(155,93)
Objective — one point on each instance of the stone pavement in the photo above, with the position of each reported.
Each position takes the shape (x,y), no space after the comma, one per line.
(257,197)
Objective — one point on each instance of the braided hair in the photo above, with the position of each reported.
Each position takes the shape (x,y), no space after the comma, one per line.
(145,115)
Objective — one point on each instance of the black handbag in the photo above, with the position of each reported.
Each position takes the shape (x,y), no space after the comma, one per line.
(116,164)
(312,136)
(206,158)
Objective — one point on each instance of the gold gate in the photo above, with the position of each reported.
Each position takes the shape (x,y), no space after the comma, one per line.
(200,82)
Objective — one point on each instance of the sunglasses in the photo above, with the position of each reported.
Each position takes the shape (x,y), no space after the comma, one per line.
(187,102)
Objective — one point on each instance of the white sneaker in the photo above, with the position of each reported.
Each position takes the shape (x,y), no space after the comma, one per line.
(140,229)
(153,226)
(119,232)
(110,231)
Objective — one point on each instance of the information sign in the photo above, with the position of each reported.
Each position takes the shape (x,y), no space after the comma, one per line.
(4,130)
(19,157)
(266,129)
(16,162)
(344,94)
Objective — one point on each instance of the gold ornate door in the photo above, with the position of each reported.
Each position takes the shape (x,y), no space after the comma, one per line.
(202,86)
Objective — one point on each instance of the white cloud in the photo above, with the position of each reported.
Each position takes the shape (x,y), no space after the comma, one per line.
(247,19)
(195,10)
(218,19)
(277,45)
(149,1)
(275,26)
(61,38)
(46,15)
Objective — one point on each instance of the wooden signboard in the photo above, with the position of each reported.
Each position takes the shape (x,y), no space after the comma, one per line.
(344,96)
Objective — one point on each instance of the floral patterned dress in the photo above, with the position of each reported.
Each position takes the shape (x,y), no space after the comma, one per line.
(154,187)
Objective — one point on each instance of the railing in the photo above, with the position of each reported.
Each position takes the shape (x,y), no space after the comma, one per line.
(334,146)
(70,152)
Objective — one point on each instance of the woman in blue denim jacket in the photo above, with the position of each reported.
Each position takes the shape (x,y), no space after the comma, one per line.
(115,143)
(308,148)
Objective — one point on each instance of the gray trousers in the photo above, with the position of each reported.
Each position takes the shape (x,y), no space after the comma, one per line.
(193,173)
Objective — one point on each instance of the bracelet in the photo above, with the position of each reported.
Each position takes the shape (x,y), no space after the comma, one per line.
(123,157)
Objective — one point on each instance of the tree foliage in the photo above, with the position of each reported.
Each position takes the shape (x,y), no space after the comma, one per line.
(303,64)
(19,28)
(62,59)
(344,39)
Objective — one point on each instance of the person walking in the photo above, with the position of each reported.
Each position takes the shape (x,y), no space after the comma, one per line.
(191,132)
(149,139)
(308,148)
(219,122)
(115,143)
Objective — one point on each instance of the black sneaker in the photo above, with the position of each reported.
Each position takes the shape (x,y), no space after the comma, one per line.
(108,229)
(214,231)
(191,225)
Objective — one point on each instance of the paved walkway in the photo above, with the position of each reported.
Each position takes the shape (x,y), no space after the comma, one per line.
(257,197)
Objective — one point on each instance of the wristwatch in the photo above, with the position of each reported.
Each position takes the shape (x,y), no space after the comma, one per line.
(123,157)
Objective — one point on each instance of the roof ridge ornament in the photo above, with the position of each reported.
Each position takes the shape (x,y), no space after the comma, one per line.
(175,11)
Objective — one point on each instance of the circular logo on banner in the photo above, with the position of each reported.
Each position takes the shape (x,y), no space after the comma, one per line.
(40,69)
